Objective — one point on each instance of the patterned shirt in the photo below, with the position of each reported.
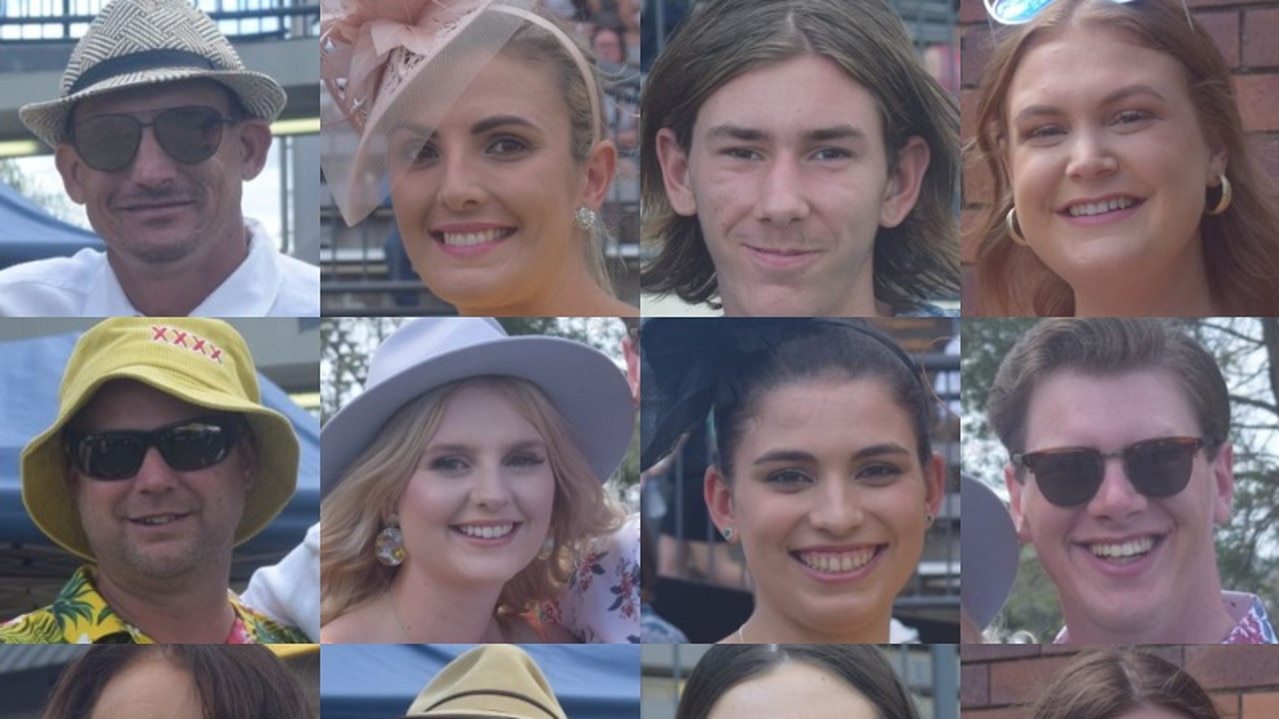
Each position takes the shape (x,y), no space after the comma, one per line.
(1252,626)
(602,601)
(79,615)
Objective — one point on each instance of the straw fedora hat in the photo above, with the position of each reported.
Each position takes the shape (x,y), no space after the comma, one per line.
(145,42)
(587,389)
(495,681)
(200,361)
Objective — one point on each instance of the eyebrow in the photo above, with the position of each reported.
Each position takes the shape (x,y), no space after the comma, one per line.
(730,131)
(479,128)
(793,455)
(463,448)
(1122,93)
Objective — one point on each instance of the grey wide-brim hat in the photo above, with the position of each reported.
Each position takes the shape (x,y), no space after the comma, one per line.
(989,547)
(132,43)
(583,384)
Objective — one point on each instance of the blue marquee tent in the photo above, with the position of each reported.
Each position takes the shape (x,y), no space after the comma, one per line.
(30,372)
(379,681)
(28,233)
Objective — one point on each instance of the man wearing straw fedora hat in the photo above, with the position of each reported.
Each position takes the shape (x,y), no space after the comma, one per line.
(157,527)
(156,129)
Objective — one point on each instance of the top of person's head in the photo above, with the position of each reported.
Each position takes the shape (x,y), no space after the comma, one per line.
(862,667)
(203,362)
(242,681)
(417,77)
(1245,248)
(497,681)
(574,396)
(723,39)
(1107,684)
(136,43)
(1107,347)
(727,365)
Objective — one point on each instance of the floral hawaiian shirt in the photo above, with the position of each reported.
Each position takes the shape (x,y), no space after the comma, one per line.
(1252,626)
(79,615)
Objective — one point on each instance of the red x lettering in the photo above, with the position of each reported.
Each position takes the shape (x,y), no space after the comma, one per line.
(216,356)
(198,346)
(179,338)
(161,333)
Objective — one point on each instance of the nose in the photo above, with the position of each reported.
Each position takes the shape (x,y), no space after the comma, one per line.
(1090,156)
(837,506)
(490,488)
(152,166)
(1116,498)
(155,475)
(460,189)
(781,199)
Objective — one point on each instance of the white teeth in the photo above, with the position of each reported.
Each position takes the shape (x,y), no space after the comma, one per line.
(1123,550)
(157,520)
(487,532)
(837,562)
(1096,208)
(465,239)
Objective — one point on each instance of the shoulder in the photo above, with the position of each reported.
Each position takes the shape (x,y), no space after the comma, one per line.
(297,282)
(52,287)
(923,309)
(38,627)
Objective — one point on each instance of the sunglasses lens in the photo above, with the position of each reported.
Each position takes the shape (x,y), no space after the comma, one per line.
(1067,478)
(195,445)
(1161,468)
(189,134)
(108,143)
(109,456)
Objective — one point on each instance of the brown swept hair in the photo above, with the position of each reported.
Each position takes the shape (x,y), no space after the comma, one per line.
(1240,247)
(1105,684)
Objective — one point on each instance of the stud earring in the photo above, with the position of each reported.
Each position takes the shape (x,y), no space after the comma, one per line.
(389,545)
(727,532)
(585,218)
(1227,194)
(928,519)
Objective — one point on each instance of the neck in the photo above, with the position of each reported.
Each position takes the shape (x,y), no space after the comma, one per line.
(1180,290)
(573,294)
(175,289)
(765,626)
(1200,617)
(428,612)
(189,610)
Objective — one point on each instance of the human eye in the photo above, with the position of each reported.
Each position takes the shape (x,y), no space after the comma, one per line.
(526,460)
(420,151)
(1132,119)
(507,147)
(448,464)
(832,153)
(879,473)
(740,153)
(1043,134)
(788,479)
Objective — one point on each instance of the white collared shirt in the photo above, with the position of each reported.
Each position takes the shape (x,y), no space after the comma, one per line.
(266,284)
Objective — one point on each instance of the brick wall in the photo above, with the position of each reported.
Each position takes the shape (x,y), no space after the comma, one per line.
(996,680)
(1246,31)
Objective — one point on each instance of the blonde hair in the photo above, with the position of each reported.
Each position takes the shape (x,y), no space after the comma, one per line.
(1240,247)
(355,511)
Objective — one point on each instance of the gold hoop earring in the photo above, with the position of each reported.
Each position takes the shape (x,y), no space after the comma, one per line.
(1013,230)
(1227,195)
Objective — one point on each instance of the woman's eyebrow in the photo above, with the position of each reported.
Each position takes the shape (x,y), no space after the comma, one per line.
(797,455)
(489,123)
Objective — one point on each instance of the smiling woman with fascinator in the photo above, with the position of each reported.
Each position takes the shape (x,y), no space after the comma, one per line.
(825,474)
(484,117)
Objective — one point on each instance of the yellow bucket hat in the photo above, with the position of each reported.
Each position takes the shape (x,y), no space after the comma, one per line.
(497,681)
(200,361)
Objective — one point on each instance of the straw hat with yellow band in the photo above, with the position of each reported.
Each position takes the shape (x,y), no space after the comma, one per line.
(201,361)
(494,681)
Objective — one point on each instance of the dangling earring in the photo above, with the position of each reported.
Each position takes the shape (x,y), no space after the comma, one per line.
(1227,195)
(1011,220)
(585,218)
(548,548)
(728,533)
(389,545)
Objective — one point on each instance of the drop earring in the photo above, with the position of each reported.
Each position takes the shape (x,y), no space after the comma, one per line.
(389,545)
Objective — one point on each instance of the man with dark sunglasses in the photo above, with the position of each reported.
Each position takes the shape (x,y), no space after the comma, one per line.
(1120,466)
(160,460)
(156,130)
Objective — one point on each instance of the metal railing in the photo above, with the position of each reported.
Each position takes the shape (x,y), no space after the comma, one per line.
(60,21)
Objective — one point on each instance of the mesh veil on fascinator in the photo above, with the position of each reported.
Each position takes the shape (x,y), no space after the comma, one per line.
(694,365)
(393,68)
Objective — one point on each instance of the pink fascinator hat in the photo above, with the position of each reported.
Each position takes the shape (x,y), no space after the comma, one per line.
(392,69)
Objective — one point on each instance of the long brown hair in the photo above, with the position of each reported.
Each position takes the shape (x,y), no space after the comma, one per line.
(1108,683)
(1240,247)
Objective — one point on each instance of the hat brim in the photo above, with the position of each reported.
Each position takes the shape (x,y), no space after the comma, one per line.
(260,95)
(989,545)
(587,389)
(47,494)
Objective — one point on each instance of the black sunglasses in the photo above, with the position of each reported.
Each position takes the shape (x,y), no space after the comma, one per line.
(1070,477)
(186,446)
(190,135)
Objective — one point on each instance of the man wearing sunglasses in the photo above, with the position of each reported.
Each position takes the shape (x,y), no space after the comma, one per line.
(156,130)
(160,460)
(1121,466)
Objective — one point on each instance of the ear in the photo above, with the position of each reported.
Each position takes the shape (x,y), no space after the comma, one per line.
(674,162)
(1218,158)
(1015,489)
(719,499)
(903,184)
(70,168)
(254,144)
(935,484)
(631,353)
(599,173)
(1223,483)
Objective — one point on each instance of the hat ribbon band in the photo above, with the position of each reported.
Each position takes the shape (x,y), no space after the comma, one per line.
(138,62)
(493,692)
